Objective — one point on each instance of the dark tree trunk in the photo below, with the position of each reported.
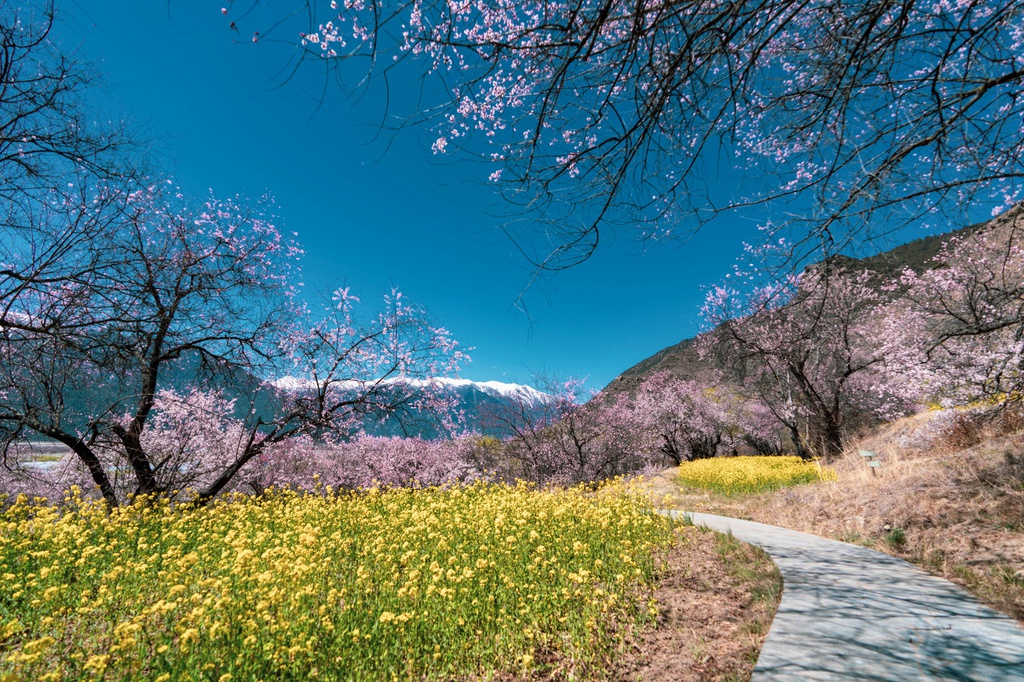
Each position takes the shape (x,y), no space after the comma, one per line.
(670,449)
(798,443)
(93,464)
(831,439)
(99,476)
(704,447)
(145,480)
(86,455)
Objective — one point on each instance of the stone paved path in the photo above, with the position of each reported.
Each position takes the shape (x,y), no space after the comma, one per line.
(851,613)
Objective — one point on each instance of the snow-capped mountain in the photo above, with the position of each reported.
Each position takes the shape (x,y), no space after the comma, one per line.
(473,391)
(477,400)
(526,395)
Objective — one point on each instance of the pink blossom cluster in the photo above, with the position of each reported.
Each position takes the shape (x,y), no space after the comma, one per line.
(616,106)
(955,333)
(365,462)
(107,311)
(689,420)
(810,352)
(837,346)
(195,446)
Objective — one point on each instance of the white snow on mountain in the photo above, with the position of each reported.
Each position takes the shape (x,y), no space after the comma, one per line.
(498,389)
(290,383)
(519,392)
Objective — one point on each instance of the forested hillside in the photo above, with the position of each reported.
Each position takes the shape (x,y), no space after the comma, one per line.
(848,344)
(684,361)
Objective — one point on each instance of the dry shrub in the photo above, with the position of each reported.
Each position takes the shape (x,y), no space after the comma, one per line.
(1011,471)
(1011,419)
(966,430)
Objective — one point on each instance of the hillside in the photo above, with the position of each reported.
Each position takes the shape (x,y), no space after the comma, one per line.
(682,359)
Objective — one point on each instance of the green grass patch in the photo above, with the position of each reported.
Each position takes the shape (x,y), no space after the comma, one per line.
(753,566)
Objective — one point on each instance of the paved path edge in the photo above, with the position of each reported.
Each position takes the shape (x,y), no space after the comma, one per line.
(852,613)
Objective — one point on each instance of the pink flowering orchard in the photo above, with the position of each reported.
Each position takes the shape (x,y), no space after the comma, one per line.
(563,441)
(169,292)
(690,420)
(957,332)
(810,351)
(834,349)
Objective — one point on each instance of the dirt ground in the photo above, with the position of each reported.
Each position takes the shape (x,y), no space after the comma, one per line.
(716,601)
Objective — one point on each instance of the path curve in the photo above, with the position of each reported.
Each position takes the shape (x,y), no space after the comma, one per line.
(851,613)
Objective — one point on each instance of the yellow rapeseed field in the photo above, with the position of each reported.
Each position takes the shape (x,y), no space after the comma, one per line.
(751,474)
(403,584)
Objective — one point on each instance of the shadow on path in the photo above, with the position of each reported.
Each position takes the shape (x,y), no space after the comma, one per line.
(851,613)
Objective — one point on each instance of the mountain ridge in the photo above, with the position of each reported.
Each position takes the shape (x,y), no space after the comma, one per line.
(682,359)
(497,389)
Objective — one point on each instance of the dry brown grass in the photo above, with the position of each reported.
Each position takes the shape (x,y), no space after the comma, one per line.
(716,600)
(949,495)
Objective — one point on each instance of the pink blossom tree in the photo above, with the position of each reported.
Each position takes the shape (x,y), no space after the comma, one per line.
(691,420)
(808,348)
(189,438)
(193,437)
(598,112)
(363,462)
(394,462)
(93,343)
(956,332)
(564,440)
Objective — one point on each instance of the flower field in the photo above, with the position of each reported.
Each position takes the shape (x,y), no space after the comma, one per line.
(750,474)
(404,584)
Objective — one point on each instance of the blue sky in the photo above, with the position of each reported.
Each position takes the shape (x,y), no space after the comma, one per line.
(373,217)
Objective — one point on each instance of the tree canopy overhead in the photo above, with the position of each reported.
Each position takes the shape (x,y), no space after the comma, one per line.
(48,134)
(848,117)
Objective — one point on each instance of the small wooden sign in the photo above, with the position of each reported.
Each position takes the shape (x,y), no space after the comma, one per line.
(866,453)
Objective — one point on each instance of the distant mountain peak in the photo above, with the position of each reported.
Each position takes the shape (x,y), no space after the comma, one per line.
(475,401)
(496,389)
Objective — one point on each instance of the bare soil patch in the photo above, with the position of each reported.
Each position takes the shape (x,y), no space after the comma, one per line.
(715,605)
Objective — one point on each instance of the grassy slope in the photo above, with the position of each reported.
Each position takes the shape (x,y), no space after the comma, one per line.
(949,496)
